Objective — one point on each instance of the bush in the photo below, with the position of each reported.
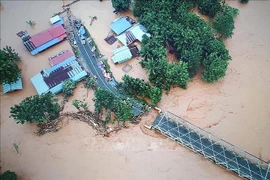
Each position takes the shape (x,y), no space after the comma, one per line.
(36,109)
(8,175)
(224,22)
(121,5)
(9,71)
(120,106)
(209,7)
(244,1)
(68,87)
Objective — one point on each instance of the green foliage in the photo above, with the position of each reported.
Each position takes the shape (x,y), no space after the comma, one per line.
(192,40)
(215,68)
(244,1)
(9,71)
(121,5)
(68,87)
(8,175)
(120,106)
(209,7)
(137,87)
(177,74)
(80,104)
(36,109)
(224,22)
(90,82)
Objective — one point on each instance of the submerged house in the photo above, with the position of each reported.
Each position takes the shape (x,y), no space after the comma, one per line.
(120,25)
(124,54)
(12,86)
(133,34)
(51,79)
(40,42)
(60,57)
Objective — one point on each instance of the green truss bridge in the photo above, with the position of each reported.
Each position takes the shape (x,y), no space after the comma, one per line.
(211,147)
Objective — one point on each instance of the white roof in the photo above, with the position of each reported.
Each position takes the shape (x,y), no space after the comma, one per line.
(55,19)
(138,32)
(39,84)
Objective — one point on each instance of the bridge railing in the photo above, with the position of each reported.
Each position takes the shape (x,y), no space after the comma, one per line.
(219,150)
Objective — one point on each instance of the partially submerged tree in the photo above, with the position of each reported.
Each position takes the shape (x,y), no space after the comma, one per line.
(80,104)
(121,107)
(121,5)
(9,71)
(68,88)
(8,175)
(90,82)
(36,109)
(31,23)
(137,87)
(224,22)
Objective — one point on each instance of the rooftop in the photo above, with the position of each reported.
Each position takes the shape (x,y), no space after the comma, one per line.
(120,25)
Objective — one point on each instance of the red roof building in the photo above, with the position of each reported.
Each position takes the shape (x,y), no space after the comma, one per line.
(60,57)
(47,35)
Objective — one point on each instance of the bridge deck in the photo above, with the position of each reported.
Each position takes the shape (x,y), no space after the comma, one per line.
(212,147)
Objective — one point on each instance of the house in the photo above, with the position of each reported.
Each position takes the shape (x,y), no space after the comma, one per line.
(120,25)
(43,40)
(51,79)
(133,34)
(56,20)
(124,54)
(12,86)
(60,57)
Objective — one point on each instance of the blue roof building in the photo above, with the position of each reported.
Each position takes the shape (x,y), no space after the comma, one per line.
(12,86)
(51,79)
(56,20)
(120,25)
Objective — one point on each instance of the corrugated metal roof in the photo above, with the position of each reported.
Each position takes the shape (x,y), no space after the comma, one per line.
(40,84)
(120,25)
(12,86)
(121,55)
(47,35)
(137,32)
(61,58)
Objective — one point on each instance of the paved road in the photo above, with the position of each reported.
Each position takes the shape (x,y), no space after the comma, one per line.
(91,62)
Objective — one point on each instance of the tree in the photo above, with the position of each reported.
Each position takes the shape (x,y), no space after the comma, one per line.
(177,74)
(79,104)
(224,22)
(209,7)
(8,175)
(90,82)
(214,68)
(121,107)
(68,87)
(121,5)
(36,109)
(244,1)
(9,71)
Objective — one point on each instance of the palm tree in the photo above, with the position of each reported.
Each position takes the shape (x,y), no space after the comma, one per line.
(31,23)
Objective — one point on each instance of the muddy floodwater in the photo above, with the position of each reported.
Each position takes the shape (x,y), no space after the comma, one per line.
(236,109)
